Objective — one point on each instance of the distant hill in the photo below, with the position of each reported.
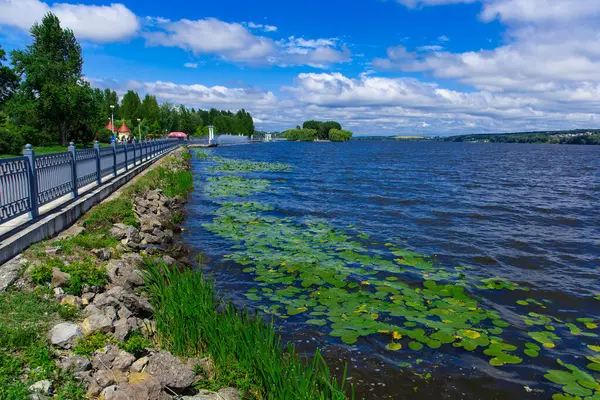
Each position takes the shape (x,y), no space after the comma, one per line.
(576,136)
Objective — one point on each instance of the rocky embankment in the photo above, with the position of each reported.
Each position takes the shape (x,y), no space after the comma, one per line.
(119,308)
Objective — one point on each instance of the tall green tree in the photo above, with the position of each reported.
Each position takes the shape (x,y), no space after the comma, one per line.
(111,99)
(131,106)
(9,81)
(51,67)
(150,111)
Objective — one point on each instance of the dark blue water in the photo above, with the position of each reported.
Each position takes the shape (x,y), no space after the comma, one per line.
(528,213)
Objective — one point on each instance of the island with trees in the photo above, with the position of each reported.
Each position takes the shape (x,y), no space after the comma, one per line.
(318,131)
(46,101)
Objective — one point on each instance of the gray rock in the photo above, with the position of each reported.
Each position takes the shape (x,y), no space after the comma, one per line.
(149,389)
(97,323)
(123,361)
(76,364)
(59,278)
(111,313)
(122,231)
(64,335)
(149,222)
(230,394)
(122,329)
(104,358)
(136,304)
(10,272)
(102,254)
(125,273)
(91,309)
(139,365)
(43,388)
(53,251)
(170,371)
(108,391)
(105,378)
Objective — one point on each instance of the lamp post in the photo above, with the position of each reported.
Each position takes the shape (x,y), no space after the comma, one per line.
(112,119)
(140,128)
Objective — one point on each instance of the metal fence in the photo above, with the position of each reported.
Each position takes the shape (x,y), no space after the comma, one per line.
(31,181)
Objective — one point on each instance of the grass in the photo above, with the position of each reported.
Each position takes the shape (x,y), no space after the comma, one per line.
(25,356)
(88,345)
(246,351)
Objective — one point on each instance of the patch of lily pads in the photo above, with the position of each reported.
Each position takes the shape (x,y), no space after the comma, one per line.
(305,268)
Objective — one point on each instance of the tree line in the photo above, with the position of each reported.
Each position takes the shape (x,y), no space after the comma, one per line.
(316,130)
(591,137)
(45,99)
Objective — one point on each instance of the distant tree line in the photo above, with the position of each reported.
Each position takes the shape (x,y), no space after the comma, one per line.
(317,130)
(556,137)
(45,99)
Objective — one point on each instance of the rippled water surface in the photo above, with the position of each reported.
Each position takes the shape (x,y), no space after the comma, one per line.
(526,213)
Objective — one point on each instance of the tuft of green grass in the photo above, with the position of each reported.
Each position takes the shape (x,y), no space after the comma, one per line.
(84,273)
(103,216)
(136,344)
(68,312)
(41,274)
(247,352)
(88,345)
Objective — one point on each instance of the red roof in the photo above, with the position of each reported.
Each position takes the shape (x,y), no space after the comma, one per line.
(124,129)
(109,126)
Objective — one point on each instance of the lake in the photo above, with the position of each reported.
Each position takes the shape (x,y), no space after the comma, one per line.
(436,270)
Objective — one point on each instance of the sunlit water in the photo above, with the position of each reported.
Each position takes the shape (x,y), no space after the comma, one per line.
(528,213)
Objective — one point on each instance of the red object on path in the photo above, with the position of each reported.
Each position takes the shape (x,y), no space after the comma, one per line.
(179,135)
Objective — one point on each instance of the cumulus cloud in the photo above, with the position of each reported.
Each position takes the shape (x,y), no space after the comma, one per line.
(235,42)
(95,23)
(201,96)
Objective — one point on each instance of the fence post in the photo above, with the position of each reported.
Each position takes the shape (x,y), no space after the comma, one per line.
(98,171)
(114,149)
(133,143)
(74,169)
(33,187)
(126,160)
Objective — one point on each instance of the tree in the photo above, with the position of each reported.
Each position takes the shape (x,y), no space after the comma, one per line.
(338,135)
(53,77)
(9,81)
(150,110)
(329,125)
(131,106)
(111,99)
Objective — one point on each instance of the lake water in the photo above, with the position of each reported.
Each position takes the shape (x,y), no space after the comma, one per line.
(512,230)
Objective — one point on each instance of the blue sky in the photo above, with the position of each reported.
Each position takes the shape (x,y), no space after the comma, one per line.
(433,67)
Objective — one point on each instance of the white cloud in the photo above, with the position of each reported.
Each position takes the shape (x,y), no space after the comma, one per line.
(443,38)
(191,65)
(201,96)
(265,28)
(95,23)
(540,10)
(424,3)
(234,42)
(433,47)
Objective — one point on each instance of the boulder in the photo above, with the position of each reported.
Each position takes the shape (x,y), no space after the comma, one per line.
(143,387)
(59,278)
(102,254)
(10,272)
(170,371)
(149,223)
(53,251)
(103,359)
(123,361)
(64,335)
(125,232)
(139,365)
(42,388)
(136,304)
(124,273)
(105,378)
(223,394)
(76,364)
(71,301)
(123,327)
(97,323)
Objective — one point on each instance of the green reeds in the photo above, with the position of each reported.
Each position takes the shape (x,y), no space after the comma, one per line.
(247,352)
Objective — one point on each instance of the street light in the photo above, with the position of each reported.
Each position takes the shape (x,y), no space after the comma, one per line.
(112,119)
(140,128)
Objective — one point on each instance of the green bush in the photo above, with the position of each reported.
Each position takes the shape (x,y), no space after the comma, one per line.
(305,135)
(135,344)
(86,346)
(102,217)
(339,135)
(41,274)
(68,312)
(84,273)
